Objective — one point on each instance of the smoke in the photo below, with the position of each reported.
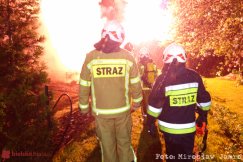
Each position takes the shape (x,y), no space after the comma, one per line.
(72,27)
(143,20)
(113,9)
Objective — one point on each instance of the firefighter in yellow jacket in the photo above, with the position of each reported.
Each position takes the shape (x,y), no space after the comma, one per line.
(148,72)
(147,67)
(110,75)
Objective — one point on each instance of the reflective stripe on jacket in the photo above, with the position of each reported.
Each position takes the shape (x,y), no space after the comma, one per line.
(111,79)
(174,99)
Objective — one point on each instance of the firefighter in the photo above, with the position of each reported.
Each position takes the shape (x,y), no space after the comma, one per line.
(143,59)
(173,100)
(148,69)
(110,75)
(151,72)
(148,72)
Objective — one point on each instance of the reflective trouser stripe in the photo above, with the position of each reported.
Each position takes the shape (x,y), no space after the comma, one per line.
(177,128)
(135,80)
(134,155)
(137,99)
(111,111)
(85,83)
(102,152)
(83,106)
(115,137)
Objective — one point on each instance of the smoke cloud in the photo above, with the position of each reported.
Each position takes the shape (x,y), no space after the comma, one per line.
(72,27)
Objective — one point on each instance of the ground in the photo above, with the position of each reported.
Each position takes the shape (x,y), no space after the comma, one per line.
(224,140)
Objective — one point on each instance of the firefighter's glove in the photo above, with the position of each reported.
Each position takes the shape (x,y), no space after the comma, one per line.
(200,128)
(135,106)
(200,120)
(151,128)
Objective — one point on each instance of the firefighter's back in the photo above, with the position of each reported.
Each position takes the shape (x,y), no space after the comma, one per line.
(110,81)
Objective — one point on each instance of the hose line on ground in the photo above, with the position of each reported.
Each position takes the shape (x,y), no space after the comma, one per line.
(69,119)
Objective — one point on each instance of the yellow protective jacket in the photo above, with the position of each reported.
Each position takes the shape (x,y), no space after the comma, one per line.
(151,72)
(111,79)
(148,71)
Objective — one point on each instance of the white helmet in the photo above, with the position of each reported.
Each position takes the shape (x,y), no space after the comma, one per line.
(144,52)
(114,30)
(174,51)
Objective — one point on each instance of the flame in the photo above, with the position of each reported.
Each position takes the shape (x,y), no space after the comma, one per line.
(145,20)
(73,26)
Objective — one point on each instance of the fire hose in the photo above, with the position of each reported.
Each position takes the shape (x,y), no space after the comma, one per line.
(69,119)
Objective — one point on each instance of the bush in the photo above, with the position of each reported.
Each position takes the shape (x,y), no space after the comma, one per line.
(23,125)
(207,65)
(230,126)
(239,80)
(211,65)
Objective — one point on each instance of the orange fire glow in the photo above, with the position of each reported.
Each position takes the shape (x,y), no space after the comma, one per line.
(73,26)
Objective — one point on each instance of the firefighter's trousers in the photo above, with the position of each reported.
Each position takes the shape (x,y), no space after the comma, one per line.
(146,93)
(179,147)
(115,138)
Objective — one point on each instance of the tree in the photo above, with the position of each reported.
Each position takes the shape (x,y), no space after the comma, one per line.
(22,110)
(216,25)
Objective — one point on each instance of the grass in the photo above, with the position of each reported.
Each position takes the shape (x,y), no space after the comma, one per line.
(226,93)
(225,120)
(224,139)
(86,148)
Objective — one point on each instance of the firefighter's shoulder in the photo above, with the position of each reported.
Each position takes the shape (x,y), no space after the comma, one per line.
(127,53)
(91,55)
(193,73)
(92,52)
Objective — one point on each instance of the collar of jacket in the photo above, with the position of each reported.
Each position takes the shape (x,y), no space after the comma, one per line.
(107,45)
